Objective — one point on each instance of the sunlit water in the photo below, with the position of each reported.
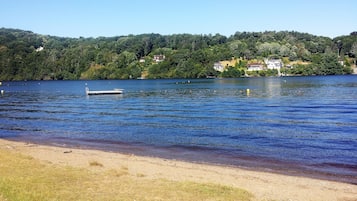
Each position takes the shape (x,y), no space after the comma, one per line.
(293,124)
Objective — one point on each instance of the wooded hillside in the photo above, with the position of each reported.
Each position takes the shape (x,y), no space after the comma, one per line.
(25,55)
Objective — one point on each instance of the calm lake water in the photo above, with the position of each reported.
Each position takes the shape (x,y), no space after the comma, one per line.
(296,125)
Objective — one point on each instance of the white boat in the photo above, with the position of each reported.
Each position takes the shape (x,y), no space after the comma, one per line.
(105,92)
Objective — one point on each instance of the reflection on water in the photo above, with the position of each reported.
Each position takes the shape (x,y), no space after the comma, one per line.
(273,87)
(306,121)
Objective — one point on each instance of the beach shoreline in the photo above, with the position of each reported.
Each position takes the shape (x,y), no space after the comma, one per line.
(263,185)
(205,157)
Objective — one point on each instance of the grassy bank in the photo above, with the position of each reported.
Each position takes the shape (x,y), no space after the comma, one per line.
(25,178)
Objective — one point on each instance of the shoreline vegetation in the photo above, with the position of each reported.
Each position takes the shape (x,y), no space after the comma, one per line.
(38,172)
(25,55)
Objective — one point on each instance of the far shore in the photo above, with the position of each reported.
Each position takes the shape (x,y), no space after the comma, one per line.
(263,185)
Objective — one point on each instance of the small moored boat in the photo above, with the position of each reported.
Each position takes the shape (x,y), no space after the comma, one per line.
(105,92)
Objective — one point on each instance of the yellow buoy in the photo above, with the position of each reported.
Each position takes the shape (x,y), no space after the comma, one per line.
(248,92)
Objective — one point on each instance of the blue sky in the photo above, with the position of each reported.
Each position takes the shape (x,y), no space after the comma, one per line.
(93,18)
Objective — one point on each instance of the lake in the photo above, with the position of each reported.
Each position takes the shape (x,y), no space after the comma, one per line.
(293,125)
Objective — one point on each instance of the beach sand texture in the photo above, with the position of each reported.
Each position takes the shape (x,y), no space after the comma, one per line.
(264,186)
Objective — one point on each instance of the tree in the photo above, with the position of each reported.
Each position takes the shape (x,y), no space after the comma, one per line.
(353,51)
(232,72)
(238,48)
(186,55)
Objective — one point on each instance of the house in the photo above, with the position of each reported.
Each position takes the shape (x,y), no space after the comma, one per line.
(159,58)
(273,63)
(218,67)
(39,49)
(255,67)
(289,66)
(142,60)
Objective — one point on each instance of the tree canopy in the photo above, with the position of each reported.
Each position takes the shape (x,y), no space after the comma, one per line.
(25,55)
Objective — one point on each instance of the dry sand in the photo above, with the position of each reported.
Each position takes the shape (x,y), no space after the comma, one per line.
(264,186)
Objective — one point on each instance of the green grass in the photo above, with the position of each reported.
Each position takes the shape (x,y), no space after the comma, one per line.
(23,178)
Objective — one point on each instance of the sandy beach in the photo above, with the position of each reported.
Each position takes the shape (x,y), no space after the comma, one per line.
(263,185)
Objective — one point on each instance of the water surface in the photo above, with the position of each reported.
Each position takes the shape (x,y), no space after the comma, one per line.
(291,124)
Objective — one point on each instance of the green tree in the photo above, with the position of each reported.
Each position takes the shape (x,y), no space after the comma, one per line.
(187,55)
(232,72)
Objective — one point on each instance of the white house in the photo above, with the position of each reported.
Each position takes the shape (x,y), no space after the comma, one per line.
(255,67)
(273,63)
(159,58)
(39,49)
(218,67)
(142,60)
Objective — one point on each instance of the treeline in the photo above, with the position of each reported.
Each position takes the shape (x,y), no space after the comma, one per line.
(25,55)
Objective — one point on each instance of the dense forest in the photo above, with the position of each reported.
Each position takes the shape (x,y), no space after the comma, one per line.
(25,55)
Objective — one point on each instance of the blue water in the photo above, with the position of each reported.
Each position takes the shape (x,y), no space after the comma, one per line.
(306,124)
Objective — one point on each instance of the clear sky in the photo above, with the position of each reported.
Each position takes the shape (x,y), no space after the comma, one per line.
(93,18)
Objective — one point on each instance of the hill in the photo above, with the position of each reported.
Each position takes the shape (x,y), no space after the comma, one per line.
(25,55)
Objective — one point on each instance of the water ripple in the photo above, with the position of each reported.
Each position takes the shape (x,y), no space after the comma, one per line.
(310,121)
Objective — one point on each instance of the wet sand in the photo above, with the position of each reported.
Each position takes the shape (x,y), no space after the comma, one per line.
(263,185)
